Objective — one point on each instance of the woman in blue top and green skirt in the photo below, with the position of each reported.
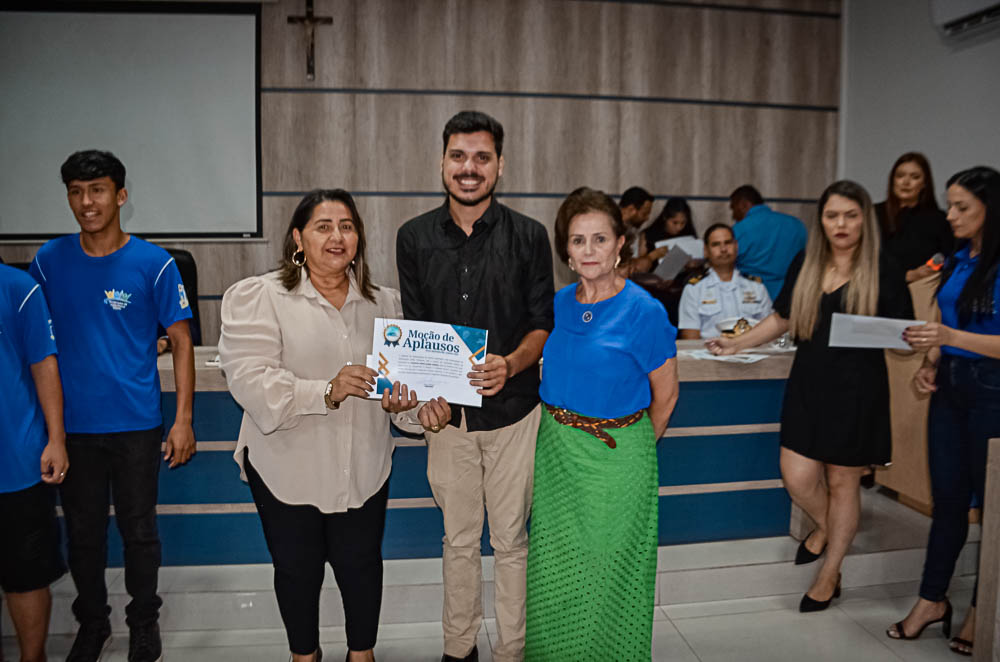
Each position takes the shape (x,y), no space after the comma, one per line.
(962,372)
(609,384)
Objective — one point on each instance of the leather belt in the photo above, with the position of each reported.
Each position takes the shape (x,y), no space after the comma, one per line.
(594,426)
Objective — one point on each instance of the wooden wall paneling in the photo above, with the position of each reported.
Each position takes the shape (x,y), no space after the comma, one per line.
(559,46)
(19,252)
(712,150)
(551,145)
(210,311)
(696,53)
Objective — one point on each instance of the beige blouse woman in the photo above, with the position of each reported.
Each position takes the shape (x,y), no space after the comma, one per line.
(279,349)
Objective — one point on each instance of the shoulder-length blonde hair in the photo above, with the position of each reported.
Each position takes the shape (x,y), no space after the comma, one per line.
(290,272)
(861,295)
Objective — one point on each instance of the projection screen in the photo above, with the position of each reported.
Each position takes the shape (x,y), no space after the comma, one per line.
(173,92)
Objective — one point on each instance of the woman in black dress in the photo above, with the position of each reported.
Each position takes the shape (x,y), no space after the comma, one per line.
(835,417)
(913,228)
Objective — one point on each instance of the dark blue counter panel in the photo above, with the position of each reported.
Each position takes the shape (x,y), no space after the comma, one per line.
(721,458)
(216,416)
(208,477)
(728,403)
(213,478)
(687,518)
(408,479)
(210,539)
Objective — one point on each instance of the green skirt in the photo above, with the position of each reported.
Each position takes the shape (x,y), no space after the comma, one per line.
(592,554)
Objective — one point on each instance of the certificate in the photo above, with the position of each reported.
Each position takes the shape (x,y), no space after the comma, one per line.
(865,331)
(430,358)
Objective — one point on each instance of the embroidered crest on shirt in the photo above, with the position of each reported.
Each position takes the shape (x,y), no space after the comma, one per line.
(117,299)
(183,295)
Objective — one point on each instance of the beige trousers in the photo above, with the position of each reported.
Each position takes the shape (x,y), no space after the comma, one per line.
(466,471)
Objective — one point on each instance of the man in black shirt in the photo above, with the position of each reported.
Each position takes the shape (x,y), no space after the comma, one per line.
(475,262)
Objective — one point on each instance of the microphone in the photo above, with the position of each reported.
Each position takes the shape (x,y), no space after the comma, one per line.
(936,261)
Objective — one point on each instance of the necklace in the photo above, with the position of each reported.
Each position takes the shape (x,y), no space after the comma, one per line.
(588,315)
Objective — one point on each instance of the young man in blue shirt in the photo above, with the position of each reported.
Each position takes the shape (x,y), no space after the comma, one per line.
(32,459)
(107,291)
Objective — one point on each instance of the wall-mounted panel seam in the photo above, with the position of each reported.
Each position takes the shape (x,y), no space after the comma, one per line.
(553,95)
(536,195)
(721,6)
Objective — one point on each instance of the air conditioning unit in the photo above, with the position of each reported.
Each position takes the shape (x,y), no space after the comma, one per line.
(960,19)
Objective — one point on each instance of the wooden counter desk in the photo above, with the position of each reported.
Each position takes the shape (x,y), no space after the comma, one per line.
(718,467)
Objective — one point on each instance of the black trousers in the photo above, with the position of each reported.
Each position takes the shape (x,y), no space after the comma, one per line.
(120,468)
(302,540)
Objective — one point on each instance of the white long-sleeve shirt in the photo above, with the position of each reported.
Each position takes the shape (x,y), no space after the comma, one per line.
(279,349)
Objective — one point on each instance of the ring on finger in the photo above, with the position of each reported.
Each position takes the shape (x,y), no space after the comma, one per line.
(435,428)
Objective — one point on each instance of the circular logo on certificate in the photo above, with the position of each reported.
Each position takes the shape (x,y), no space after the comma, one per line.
(392,335)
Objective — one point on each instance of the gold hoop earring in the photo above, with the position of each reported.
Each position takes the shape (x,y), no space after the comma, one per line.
(297,260)
(618,261)
(569,263)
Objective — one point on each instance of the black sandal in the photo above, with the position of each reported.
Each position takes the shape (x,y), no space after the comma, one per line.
(945,622)
(958,641)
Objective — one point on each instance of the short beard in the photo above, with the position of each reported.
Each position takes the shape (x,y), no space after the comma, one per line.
(470,203)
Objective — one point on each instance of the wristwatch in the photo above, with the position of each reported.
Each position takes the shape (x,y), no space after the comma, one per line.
(330,402)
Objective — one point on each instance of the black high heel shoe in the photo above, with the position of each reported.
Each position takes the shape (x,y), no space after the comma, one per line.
(803,555)
(945,622)
(809,605)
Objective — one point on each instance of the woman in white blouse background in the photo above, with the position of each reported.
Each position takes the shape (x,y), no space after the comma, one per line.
(314,450)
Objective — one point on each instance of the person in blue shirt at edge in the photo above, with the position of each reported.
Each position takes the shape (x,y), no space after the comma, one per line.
(722,293)
(32,459)
(108,290)
(961,372)
(768,240)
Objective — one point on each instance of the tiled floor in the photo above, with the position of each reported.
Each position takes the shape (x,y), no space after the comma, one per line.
(766,629)
(203,604)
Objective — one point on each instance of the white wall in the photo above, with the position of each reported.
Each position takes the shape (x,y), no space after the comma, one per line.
(905,89)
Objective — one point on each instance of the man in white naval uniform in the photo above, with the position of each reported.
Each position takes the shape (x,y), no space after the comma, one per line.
(723,292)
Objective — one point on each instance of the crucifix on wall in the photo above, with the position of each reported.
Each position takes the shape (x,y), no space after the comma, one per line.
(310,21)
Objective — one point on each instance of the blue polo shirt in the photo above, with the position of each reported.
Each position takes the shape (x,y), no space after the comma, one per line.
(948,302)
(106,311)
(26,338)
(768,241)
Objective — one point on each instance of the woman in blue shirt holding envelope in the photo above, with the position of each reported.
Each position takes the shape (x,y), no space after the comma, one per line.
(962,372)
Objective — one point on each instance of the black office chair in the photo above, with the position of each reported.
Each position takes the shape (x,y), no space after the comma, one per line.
(189,276)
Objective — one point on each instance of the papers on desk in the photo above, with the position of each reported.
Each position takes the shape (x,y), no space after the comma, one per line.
(705,355)
(688,244)
(672,263)
(869,332)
